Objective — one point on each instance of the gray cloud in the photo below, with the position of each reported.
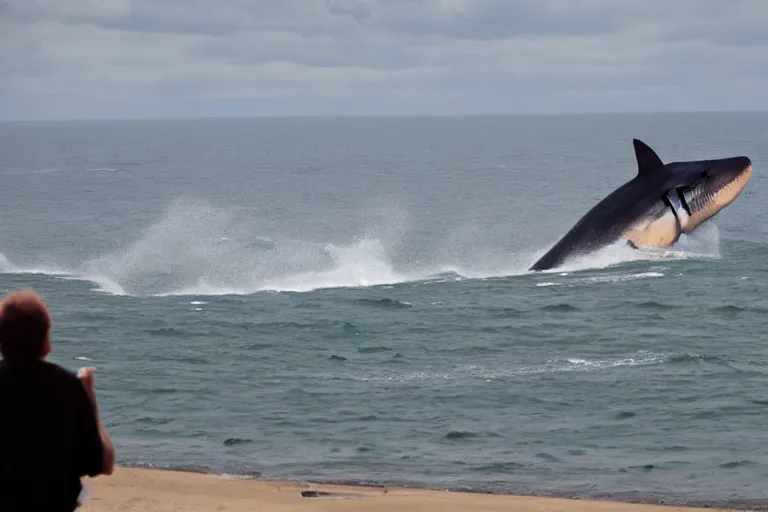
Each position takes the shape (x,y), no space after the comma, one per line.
(497,20)
(104,58)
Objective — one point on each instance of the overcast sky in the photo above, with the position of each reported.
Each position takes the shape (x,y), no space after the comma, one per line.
(64,59)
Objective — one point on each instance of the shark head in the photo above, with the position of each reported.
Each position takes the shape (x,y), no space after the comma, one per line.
(695,190)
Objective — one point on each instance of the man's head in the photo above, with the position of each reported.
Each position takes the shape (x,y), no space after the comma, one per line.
(25,325)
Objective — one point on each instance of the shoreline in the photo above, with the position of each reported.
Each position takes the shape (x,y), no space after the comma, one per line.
(159,490)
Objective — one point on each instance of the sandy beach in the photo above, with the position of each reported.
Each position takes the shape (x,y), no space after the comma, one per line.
(148,490)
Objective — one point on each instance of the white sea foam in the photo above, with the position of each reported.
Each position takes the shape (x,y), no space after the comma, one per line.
(704,243)
(196,249)
(503,370)
(612,277)
(6,267)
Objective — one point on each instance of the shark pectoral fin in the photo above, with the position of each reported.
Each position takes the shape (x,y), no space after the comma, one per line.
(660,232)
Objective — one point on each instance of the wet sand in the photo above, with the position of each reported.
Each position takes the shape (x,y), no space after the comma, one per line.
(149,490)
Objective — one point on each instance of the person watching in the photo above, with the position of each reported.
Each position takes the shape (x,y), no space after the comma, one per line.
(50,431)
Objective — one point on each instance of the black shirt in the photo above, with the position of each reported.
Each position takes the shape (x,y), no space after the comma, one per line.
(49,437)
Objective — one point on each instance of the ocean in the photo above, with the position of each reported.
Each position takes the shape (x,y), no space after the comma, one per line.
(347,300)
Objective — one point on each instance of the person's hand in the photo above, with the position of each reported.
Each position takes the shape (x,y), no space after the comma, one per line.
(86,377)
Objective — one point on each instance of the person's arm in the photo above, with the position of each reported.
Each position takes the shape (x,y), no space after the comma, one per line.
(107,465)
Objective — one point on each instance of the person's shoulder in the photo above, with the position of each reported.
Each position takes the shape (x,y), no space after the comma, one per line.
(59,372)
(41,371)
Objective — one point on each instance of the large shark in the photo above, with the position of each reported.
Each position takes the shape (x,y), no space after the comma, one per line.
(652,209)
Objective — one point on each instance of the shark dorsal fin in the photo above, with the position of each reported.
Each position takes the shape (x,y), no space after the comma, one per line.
(648,162)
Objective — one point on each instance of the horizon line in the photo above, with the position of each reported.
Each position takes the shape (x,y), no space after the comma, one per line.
(378,116)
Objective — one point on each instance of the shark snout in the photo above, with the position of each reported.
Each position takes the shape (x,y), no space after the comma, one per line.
(730,168)
(740,172)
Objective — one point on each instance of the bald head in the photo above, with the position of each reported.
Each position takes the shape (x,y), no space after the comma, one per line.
(24,326)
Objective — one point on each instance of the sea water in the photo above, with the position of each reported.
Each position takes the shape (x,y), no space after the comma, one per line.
(348,300)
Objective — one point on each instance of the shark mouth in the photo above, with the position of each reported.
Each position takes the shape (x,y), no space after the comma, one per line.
(693,206)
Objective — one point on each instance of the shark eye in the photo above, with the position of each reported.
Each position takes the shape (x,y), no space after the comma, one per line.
(703,174)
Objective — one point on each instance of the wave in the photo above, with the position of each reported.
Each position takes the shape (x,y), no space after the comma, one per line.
(501,370)
(6,267)
(505,371)
(196,249)
(607,278)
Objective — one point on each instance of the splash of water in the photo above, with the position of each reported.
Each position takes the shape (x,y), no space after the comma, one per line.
(6,267)
(703,243)
(197,249)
